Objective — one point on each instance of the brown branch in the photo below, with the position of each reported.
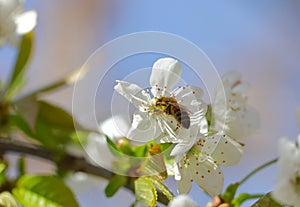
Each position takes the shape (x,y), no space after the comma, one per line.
(66,162)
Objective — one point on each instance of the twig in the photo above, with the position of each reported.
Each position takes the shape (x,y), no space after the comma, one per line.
(67,162)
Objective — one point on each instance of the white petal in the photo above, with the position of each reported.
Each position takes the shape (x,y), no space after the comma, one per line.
(115,127)
(207,175)
(286,190)
(207,146)
(26,22)
(9,6)
(97,147)
(287,159)
(133,93)
(187,138)
(199,119)
(182,200)
(189,96)
(232,78)
(80,182)
(238,124)
(227,152)
(177,174)
(168,127)
(285,193)
(143,128)
(165,74)
(240,89)
(184,185)
(181,148)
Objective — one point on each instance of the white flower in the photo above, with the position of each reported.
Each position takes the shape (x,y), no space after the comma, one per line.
(80,182)
(97,149)
(206,174)
(204,168)
(182,200)
(231,113)
(14,21)
(287,190)
(216,147)
(115,127)
(166,116)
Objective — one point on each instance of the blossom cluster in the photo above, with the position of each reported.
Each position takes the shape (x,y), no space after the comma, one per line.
(203,136)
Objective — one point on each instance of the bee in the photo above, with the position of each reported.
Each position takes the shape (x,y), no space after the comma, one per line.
(171,107)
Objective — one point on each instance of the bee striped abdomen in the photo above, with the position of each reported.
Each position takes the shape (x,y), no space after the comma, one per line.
(181,116)
(170,107)
(185,119)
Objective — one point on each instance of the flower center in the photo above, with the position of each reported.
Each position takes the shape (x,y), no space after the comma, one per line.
(170,107)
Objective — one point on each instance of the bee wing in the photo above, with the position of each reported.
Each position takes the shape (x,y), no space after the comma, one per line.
(184,108)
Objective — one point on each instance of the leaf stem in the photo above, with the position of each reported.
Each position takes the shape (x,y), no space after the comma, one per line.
(258,169)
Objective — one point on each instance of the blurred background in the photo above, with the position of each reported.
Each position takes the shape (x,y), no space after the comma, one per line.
(260,39)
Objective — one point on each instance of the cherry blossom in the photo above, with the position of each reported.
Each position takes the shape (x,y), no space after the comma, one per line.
(14,21)
(182,200)
(203,169)
(232,113)
(287,190)
(154,118)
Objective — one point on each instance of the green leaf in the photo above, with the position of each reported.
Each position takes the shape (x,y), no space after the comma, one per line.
(28,107)
(113,147)
(17,120)
(7,200)
(50,132)
(145,191)
(54,126)
(17,78)
(41,191)
(124,146)
(3,167)
(229,193)
(266,201)
(114,184)
(80,137)
(237,202)
(140,151)
(164,189)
